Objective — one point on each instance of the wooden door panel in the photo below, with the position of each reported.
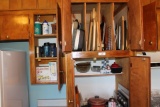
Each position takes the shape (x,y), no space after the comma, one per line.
(157,2)
(70,82)
(29,4)
(66,26)
(15,27)
(150,27)
(136,25)
(140,82)
(158,28)
(4,5)
(46,4)
(15,4)
(1,20)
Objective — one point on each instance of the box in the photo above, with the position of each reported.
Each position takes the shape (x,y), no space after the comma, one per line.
(47,73)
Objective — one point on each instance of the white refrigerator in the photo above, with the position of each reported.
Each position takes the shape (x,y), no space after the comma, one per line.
(13,79)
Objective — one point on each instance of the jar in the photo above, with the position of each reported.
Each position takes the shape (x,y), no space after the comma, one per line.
(45,27)
(46,49)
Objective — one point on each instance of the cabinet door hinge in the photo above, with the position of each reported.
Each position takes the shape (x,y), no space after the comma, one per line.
(130,64)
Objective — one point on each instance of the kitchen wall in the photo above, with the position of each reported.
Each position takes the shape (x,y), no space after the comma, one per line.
(35,91)
(102,86)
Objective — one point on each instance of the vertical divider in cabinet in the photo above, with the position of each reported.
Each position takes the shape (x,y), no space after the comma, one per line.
(98,10)
(85,26)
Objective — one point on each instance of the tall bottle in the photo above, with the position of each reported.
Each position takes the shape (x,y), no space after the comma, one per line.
(45,27)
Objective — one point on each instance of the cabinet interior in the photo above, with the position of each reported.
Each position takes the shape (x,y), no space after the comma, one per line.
(111,14)
(40,39)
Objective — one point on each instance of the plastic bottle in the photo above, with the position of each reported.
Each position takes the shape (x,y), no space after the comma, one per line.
(45,27)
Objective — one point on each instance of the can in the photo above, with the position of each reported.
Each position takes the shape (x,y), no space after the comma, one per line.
(37,28)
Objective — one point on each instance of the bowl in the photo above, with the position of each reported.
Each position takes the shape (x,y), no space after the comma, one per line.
(83,67)
(116,69)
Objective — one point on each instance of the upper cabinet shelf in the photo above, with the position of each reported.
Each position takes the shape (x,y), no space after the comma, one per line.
(102,54)
(46,36)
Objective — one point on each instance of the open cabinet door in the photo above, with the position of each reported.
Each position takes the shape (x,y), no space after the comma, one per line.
(59,47)
(135,15)
(140,82)
(150,27)
(70,83)
(65,35)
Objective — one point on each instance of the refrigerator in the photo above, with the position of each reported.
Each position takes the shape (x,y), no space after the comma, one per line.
(13,79)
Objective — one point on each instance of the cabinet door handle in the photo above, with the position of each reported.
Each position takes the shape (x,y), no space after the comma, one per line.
(150,42)
(7,36)
(70,101)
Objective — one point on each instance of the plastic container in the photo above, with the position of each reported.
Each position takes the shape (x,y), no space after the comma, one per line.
(45,27)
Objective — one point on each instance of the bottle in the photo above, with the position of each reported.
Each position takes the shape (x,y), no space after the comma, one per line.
(53,50)
(46,49)
(45,27)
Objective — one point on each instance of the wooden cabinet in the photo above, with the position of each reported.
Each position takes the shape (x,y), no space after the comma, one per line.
(131,70)
(15,27)
(150,27)
(37,41)
(15,4)
(46,4)
(64,28)
(29,4)
(140,88)
(4,5)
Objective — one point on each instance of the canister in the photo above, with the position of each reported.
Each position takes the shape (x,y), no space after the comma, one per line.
(37,28)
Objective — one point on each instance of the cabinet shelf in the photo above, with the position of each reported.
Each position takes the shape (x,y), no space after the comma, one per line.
(46,36)
(47,82)
(101,54)
(96,74)
(48,59)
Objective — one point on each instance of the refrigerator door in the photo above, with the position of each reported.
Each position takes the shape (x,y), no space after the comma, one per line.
(14,79)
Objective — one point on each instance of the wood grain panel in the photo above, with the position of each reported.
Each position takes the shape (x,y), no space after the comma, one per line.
(1,21)
(15,27)
(79,1)
(46,4)
(135,28)
(157,3)
(150,26)
(158,28)
(4,5)
(140,82)
(70,82)
(29,4)
(66,26)
(15,4)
